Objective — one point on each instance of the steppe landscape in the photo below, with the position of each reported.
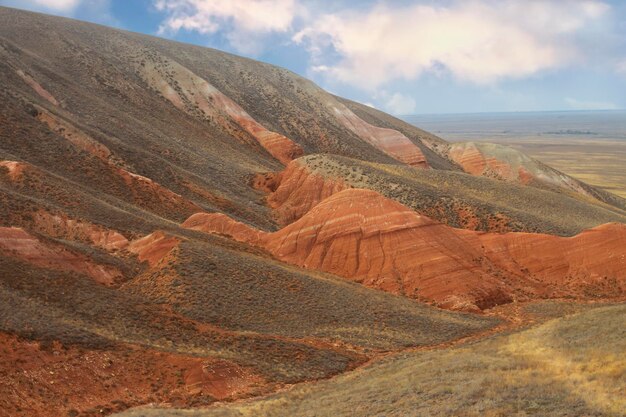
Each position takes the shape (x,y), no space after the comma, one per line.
(588,145)
(187,232)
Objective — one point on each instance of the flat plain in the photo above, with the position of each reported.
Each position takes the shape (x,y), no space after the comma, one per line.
(589,145)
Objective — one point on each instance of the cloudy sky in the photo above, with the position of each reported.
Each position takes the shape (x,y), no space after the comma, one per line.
(405,56)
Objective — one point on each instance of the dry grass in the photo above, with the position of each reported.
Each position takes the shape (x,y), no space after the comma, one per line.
(599,162)
(572,366)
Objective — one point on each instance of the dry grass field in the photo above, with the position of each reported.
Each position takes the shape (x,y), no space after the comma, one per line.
(569,366)
(590,146)
(599,162)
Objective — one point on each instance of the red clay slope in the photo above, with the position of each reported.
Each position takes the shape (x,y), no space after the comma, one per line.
(17,243)
(300,190)
(64,227)
(154,247)
(507,164)
(390,141)
(363,236)
(101,382)
(189,92)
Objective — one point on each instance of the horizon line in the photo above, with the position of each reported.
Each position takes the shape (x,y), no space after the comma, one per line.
(512,112)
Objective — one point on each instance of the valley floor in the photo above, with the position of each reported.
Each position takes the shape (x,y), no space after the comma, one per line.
(551,359)
(600,162)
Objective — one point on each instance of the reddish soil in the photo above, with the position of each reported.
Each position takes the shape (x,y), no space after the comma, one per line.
(590,263)
(14,169)
(19,244)
(205,319)
(61,226)
(209,196)
(296,190)
(299,191)
(142,186)
(72,381)
(279,146)
(508,164)
(221,224)
(267,182)
(192,93)
(474,162)
(73,135)
(471,220)
(365,237)
(37,87)
(143,189)
(153,248)
(390,141)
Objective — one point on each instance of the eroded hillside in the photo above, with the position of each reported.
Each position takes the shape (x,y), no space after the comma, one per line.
(181,226)
(559,368)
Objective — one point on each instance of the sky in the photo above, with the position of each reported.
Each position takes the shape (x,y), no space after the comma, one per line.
(404,56)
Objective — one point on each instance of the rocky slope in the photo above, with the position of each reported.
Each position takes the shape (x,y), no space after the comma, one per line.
(452,198)
(120,151)
(365,237)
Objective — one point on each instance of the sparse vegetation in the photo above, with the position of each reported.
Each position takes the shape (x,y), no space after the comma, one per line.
(465,201)
(71,346)
(569,366)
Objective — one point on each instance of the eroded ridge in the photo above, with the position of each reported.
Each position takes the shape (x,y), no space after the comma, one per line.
(389,141)
(192,94)
(365,237)
(505,163)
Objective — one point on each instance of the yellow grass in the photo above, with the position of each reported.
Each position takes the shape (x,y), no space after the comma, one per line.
(599,162)
(573,366)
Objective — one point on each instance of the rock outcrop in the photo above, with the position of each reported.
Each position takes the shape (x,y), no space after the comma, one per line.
(360,235)
(42,92)
(592,263)
(14,169)
(299,191)
(365,237)
(221,224)
(59,226)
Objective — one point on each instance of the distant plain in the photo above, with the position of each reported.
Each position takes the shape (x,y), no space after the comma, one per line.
(588,145)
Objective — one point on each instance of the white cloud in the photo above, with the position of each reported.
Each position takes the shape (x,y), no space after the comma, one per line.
(61,6)
(589,105)
(98,11)
(400,104)
(242,20)
(481,41)
(620,67)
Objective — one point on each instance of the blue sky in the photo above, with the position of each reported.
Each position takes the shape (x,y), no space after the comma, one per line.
(405,56)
